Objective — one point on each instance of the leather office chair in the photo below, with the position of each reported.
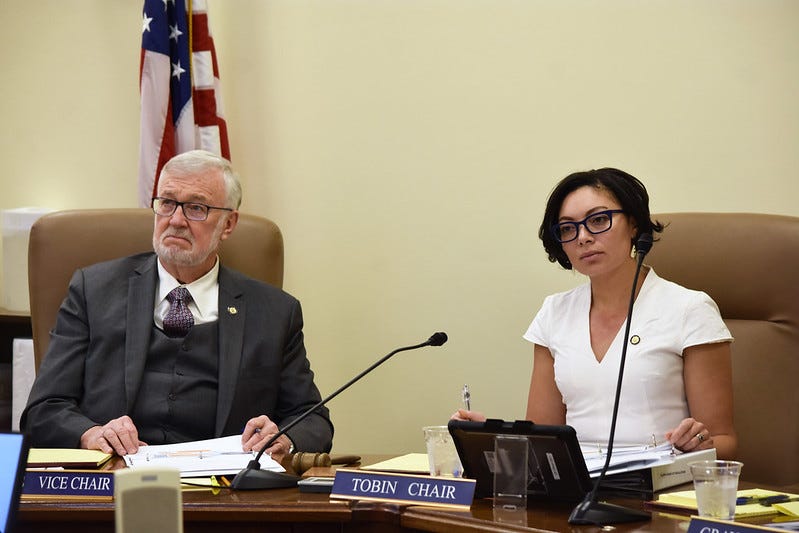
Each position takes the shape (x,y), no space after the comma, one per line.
(748,263)
(64,241)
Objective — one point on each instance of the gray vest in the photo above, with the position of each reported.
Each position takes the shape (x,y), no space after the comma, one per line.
(177,398)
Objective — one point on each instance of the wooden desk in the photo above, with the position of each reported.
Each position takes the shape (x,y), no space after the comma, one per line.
(549,517)
(284,510)
(288,510)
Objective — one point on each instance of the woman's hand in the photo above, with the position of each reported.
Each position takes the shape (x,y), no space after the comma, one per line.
(463,414)
(690,435)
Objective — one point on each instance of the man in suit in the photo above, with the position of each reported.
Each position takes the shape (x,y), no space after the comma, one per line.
(172,346)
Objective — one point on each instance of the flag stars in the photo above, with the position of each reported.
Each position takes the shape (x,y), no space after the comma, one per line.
(145,25)
(177,70)
(174,32)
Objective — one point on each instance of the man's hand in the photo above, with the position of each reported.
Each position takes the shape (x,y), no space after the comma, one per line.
(118,436)
(258,431)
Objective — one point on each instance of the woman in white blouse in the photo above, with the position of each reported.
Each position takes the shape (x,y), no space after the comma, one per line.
(678,376)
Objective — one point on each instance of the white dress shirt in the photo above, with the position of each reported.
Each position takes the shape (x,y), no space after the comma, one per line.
(204,305)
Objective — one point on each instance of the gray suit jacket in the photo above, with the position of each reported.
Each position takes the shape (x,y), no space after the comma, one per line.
(98,348)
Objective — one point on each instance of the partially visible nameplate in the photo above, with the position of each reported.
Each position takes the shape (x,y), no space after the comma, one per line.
(449,492)
(700,524)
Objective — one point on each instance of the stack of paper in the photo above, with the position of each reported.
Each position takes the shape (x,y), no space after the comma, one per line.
(201,458)
(626,458)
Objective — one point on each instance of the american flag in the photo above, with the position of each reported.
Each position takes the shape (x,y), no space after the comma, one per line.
(181,104)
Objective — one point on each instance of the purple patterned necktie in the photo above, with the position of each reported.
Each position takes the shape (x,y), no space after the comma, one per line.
(179,320)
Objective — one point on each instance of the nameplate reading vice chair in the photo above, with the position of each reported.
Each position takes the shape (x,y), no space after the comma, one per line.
(749,264)
(64,241)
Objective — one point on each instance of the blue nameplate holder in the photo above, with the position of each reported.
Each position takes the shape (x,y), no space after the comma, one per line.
(708,525)
(68,484)
(456,493)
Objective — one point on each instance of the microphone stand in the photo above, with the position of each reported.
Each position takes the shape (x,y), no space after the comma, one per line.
(590,511)
(252,477)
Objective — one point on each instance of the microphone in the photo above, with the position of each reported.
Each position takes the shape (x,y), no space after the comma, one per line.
(252,477)
(437,339)
(590,511)
(642,246)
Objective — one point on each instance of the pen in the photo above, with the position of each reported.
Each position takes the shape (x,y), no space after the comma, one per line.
(467,398)
(766,500)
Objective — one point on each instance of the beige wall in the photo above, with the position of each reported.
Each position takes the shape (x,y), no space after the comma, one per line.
(406,148)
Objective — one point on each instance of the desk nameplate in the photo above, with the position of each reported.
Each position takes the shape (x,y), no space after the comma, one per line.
(68,484)
(454,493)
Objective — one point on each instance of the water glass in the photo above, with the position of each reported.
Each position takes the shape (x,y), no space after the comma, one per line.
(441,452)
(716,486)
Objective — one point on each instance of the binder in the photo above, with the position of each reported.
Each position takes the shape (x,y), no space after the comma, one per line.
(647,481)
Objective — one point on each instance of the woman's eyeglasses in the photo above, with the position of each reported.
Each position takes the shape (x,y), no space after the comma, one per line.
(598,222)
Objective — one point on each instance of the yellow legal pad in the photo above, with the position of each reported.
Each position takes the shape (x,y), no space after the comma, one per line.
(686,499)
(789,508)
(67,458)
(411,463)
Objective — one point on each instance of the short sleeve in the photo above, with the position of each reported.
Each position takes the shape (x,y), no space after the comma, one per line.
(537,331)
(702,323)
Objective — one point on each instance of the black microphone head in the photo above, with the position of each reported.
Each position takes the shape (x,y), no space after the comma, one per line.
(437,339)
(643,244)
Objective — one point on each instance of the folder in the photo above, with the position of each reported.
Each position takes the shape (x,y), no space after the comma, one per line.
(66,458)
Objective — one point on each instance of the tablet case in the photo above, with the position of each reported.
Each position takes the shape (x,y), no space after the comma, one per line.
(556,468)
(13,458)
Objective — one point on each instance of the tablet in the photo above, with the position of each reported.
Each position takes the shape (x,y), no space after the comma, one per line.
(13,458)
(556,467)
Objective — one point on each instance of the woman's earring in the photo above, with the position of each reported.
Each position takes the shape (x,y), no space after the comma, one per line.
(633,252)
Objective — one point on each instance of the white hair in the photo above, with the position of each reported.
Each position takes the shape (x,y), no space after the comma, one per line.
(199,160)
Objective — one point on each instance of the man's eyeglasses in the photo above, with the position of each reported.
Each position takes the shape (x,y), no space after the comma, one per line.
(165,207)
(598,222)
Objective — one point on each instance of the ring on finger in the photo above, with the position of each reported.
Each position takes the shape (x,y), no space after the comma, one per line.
(700,437)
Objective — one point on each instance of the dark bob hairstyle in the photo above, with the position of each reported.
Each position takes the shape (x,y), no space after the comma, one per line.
(628,191)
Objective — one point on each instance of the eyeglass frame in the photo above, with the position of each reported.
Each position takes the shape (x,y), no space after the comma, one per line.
(182,206)
(609,212)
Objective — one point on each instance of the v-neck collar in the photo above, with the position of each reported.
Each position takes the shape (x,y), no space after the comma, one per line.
(614,346)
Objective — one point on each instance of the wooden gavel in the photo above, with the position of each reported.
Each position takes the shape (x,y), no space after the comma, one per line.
(302,461)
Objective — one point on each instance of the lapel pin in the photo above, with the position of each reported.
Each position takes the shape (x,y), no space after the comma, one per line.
(232,310)
(635,339)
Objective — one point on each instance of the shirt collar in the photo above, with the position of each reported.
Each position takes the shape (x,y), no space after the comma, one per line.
(204,291)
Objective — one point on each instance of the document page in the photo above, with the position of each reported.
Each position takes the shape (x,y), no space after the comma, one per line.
(201,458)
